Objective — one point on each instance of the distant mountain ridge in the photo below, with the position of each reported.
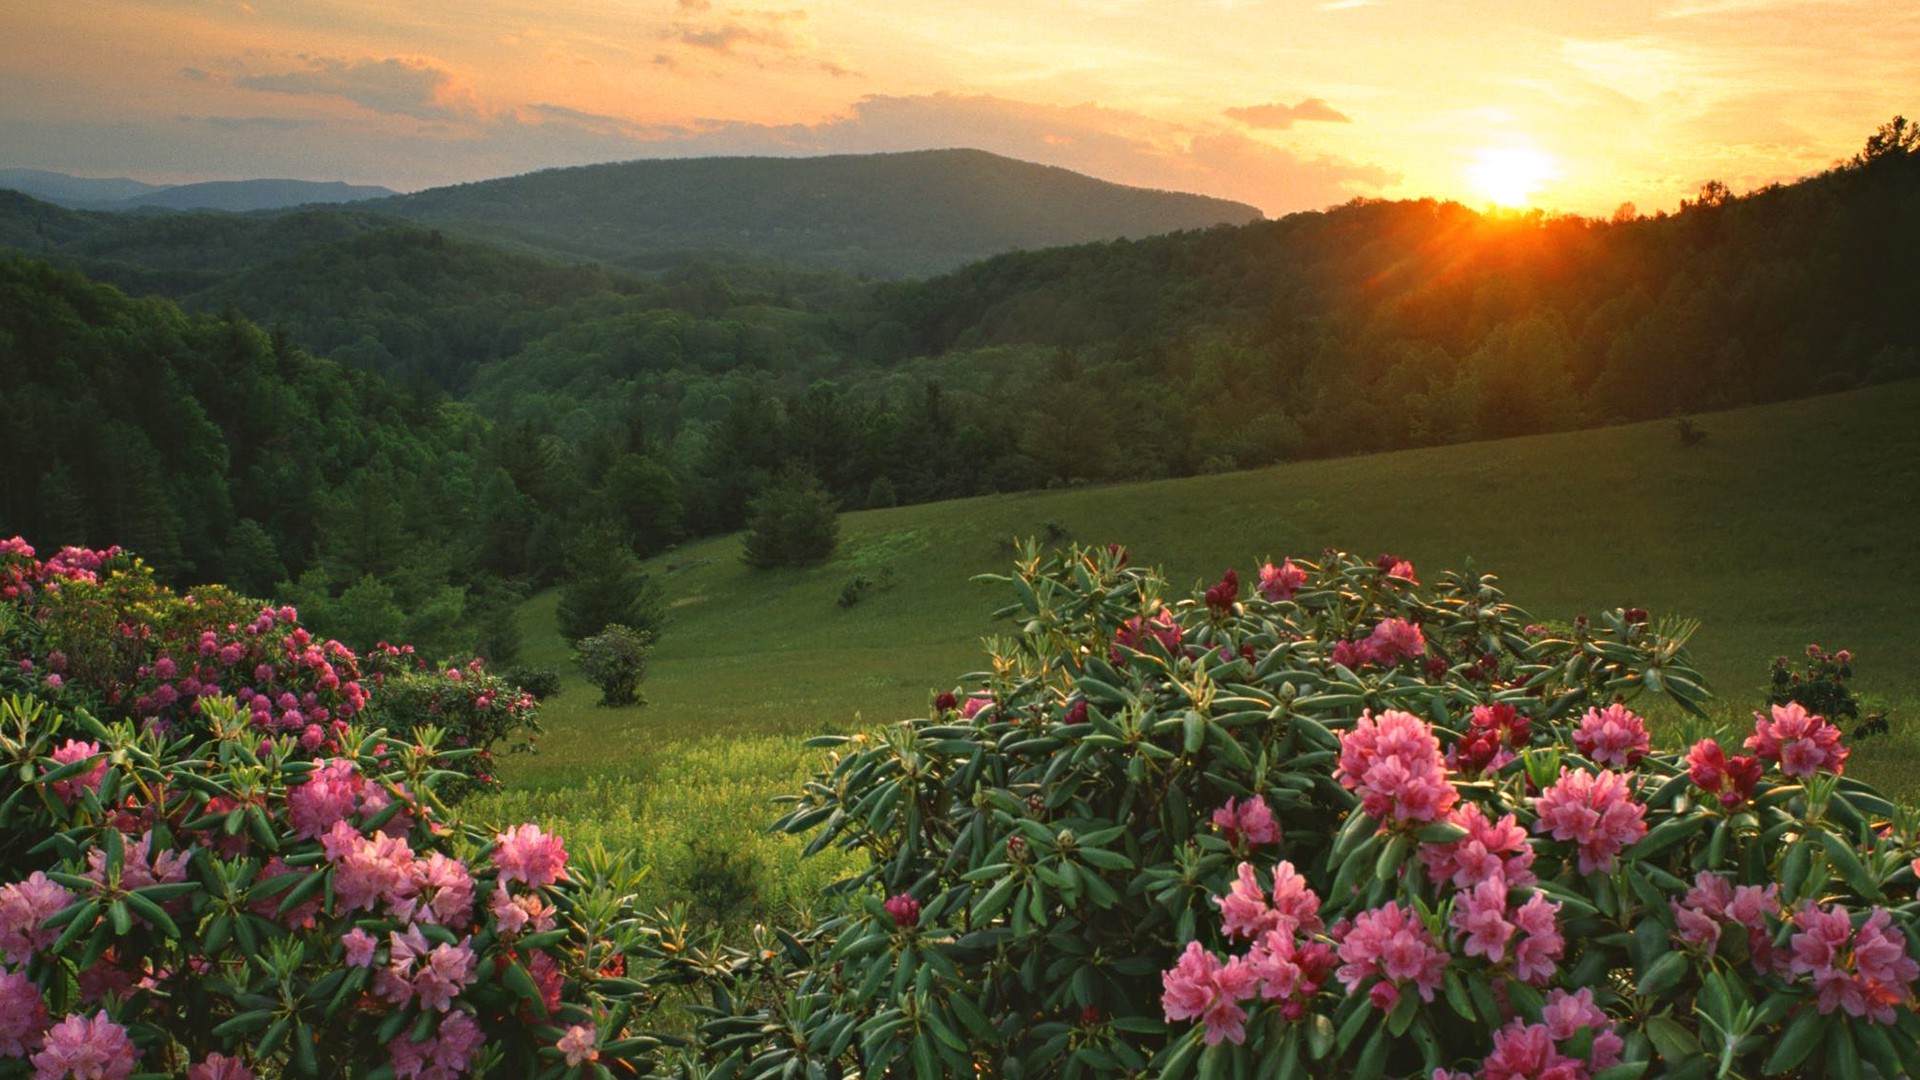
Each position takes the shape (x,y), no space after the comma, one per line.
(885,215)
(238,196)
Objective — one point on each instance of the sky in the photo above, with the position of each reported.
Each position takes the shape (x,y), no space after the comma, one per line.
(1284,104)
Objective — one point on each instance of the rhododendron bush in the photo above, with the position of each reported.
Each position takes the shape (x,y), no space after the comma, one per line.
(195,887)
(1352,821)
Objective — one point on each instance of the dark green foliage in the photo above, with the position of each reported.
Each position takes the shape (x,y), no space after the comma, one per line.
(1819,685)
(606,585)
(791,523)
(615,660)
(542,682)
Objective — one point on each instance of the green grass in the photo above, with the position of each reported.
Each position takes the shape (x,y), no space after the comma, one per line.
(1791,524)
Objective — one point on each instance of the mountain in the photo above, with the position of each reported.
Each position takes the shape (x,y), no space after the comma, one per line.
(238,196)
(885,215)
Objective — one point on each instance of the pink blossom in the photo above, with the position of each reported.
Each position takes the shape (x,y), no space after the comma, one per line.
(1135,632)
(1397,567)
(1395,640)
(1393,763)
(1523,1051)
(1250,823)
(1351,654)
(1200,987)
(448,970)
(1732,781)
(1802,743)
(24,907)
(1565,1014)
(1493,733)
(333,792)
(85,1049)
(526,854)
(1541,945)
(1874,979)
(220,1067)
(1391,943)
(23,1014)
(1281,582)
(1480,914)
(511,914)
(904,909)
(547,978)
(973,706)
(1221,597)
(142,866)
(445,1056)
(1597,812)
(371,870)
(69,752)
(359,945)
(443,892)
(580,1044)
(1489,848)
(1614,737)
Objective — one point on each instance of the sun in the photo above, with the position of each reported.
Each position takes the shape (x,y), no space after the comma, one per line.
(1509,175)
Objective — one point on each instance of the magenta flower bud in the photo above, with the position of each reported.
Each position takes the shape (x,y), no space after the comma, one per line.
(905,911)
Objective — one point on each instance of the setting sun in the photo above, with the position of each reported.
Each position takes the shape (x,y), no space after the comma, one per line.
(1508,175)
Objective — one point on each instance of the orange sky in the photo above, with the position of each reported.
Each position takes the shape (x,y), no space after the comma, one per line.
(1285,105)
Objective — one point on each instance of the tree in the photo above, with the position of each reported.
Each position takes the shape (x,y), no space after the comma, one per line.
(606,585)
(643,496)
(1896,138)
(615,660)
(790,523)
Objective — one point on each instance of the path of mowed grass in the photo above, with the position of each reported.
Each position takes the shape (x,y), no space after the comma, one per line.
(1791,524)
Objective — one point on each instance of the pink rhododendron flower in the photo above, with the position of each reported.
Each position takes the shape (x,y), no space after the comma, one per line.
(1596,812)
(1397,567)
(527,855)
(1565,1014)
(1802,743)
(1489,848)
(1480,915)
(23,1015)
(1537,956)
(442,892)
(24,907)
(1494,733)
(359,945)
(85,1049)
(1614,737)
(1523,1051)
(547,978)
(220,1067)
(1221,597)
(580,1044)
(1135,632)
(1395,640)
(1245,911)
(371,870)
(513,914)
(904,909)
(142,866)
(66,754)
(1200,987)
(973,705)
(1250,823)
(1281,582)
(1731,780)
(1390,943)
(445,1056)
(1351,654)
(1393,763)
(1874,978)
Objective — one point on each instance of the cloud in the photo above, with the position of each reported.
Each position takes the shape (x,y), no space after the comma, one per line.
(193,74)
(253,123)
(397,86)
(767,29)
(1277,117)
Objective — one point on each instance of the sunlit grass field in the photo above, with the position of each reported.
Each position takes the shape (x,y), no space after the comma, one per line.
(1790,524)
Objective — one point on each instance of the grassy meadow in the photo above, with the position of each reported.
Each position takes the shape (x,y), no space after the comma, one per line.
(1790,524)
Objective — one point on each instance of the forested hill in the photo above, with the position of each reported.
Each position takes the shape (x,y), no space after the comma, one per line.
(884,215)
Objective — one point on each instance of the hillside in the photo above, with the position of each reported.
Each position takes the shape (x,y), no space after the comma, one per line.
(1784,527)
(885,215)
(87,193)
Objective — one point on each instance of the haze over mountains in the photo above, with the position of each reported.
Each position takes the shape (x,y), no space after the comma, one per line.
(879,215)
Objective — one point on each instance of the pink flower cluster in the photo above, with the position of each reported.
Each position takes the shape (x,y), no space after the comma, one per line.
(580,1044)
(1731,780)
(527,855)
(904,909)
(381,869)
(1221,597)
(221,1067)
(1247,824)
(1613,737)
(332,793)
(1490,848)
(1865,972)
(1488,926)
(1391,641)
(24,907)
(444,1056)
(1281,582)
(416,968)
(1596,811)
(1802,743)
(1713,902)
(23,1015)
(1393,763)
(1282,964)
(85,1048)
(1389,943)
(1396,567)
(21,574)
(1494,734)
(1523,1051)
(1137,631)
(69,752)
(141,866)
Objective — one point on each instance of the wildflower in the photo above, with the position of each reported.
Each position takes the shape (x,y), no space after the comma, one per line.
(444,1056)
(1250,823)
(85,1049)
(579,1044)
(904,909)
(1614,737)
(1281,582)
(1351,654)
(1389,942)
(1802,743)
(1732,780)
(23,1015)
(1221,597)
(528,855)
(1597,812)
(1393,763)
(69,752)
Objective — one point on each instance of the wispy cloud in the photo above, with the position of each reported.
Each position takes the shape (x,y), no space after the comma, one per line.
(1279,117)
(395,85)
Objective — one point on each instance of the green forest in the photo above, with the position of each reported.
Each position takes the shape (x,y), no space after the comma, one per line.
(404,430)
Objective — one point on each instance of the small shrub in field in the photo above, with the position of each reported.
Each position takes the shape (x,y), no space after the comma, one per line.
(791,523)
(1346,822)
(615,660)
(1819,684)
(540,681)
(606,585)
(854,590)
